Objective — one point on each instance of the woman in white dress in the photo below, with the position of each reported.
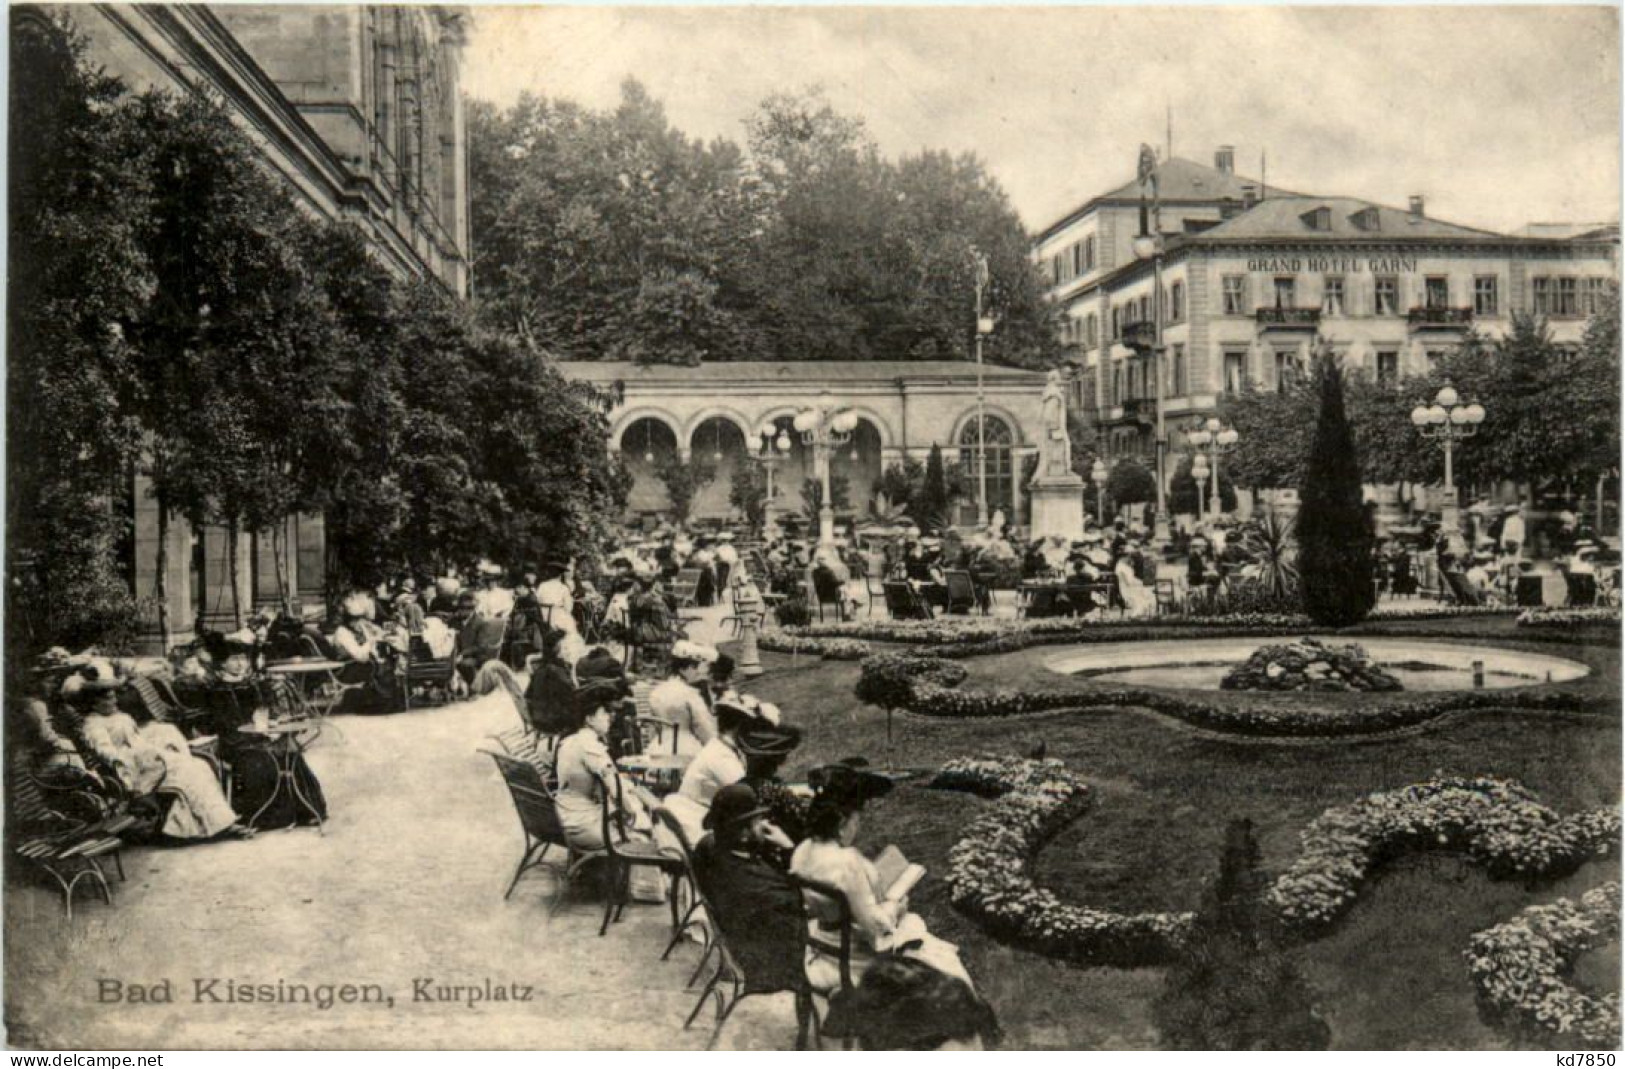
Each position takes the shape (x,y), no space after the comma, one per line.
(719,763)
(152,757)
(880,925)
(678,701)
(1140,599)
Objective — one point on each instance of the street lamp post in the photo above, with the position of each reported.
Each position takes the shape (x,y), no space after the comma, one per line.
(772,445)
(984,326)
(1148,246)
(1199,473)
(825,427)
(1211,441)
(1449,419)
(1098,475)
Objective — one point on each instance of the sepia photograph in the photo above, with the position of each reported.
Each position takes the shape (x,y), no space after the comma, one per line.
(771,527)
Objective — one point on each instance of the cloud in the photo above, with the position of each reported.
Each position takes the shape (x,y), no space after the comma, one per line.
(1499,115)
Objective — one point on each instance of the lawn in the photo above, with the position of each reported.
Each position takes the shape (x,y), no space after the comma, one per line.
(1389,975)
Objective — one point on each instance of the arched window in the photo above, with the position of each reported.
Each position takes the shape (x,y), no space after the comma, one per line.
(1001,478)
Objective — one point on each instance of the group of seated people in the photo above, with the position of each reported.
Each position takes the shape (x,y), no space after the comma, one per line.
(749,831)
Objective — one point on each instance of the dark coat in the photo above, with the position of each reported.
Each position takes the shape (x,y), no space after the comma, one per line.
(759,912)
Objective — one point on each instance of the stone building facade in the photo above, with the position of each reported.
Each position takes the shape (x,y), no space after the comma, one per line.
(903,408)
(1254,278)
(358,110)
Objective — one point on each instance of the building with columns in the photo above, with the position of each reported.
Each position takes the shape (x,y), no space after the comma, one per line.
(358,110)
(903,408)
(1253,278)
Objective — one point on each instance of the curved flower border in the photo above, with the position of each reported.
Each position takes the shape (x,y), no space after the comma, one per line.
(988,878)
(1500,824)
(1521,967)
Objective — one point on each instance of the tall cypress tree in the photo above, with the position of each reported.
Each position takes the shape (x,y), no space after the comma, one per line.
(1334,537)
(930,506)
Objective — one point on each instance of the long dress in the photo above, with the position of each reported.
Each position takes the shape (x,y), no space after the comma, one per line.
(718,764)
(584,766)
(877,927)
(680,703)
(156,756)
(1140,599)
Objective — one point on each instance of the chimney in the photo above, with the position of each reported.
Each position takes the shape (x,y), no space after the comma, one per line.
(1249,195)
(1418,203)
(1224,160)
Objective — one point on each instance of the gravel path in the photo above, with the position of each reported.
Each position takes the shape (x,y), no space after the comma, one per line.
(406,884)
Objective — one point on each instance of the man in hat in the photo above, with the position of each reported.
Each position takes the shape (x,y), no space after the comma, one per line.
(757,908)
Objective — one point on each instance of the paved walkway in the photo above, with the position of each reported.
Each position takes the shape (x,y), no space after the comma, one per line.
(406,883)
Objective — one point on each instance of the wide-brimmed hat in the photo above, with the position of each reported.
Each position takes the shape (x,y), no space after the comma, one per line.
(846,785)
(732,806)
(93,677)
(764,739)
(687,650)
(1099,558)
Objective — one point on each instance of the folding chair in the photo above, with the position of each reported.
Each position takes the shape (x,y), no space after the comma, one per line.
(1167,597)
(627,854)
(903,602)
(827,591)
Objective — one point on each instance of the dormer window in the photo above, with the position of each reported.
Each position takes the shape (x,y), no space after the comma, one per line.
(1366,219)
(1317,219)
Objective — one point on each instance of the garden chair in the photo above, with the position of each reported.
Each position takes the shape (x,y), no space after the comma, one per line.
(68,848)
(1167,598)
(330,689)
(423,670)
(827,591)
(1582,588)
(874,590)
(730,984)
(695,916)
(480,640)
(821,901)
(1461,591)
(539,820)
(903,602)
(625,853)
(962,597)
(685,589)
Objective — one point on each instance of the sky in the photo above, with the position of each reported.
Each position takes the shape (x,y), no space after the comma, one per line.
(1500,116)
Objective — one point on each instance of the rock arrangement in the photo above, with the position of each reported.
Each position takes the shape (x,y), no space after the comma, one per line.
(1309,664)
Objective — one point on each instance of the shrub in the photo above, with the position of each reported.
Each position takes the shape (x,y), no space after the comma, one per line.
(1234,987)
(888,679)
(793,612)
(1334,538)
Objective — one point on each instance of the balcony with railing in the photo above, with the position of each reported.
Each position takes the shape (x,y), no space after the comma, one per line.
(1140,336)
(1288,318)
(1436,317)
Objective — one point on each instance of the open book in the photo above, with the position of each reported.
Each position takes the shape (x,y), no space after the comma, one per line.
(897,874)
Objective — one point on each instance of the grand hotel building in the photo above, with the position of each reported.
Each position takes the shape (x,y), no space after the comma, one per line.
(1252,277)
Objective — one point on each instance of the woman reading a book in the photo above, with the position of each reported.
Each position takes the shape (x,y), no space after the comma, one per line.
(876,891)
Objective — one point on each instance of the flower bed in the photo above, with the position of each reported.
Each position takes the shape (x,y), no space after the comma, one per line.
(1499,823)
(830,649)
(1521,969)
(918,684)
(1599,615)
(988,879)
(1309,664)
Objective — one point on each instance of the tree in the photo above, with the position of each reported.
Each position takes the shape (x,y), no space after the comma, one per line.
(1183,495)
(812,496)
(900,481)
(929,506)
(747,492)
(1130,483)
(1234,987)
(1334,536)
(683,480)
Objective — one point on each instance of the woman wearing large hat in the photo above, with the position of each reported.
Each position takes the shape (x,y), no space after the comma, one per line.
(678,700)
(880,924)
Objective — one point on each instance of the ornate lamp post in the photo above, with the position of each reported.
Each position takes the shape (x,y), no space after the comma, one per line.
(1448,419)
(1199,473)
(1098,475)
(1211,441)
(825,427)
(984,326)
(772,445)
(1148,246)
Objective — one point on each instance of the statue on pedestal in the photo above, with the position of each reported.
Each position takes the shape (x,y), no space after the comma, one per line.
(1055,447)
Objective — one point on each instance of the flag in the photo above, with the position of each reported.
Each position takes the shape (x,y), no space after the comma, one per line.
(1148,164)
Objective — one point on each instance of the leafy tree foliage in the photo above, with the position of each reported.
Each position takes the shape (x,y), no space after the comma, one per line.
(1235,987)
(1183,495)
(611,235)
(1130,482)
(812,496)
(928,506)
(1334,537)
(683,479)
(747,492)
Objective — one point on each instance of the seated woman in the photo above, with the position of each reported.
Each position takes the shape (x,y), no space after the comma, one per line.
(880,925)
(650,621)
(550,695)
(369,660)
(585,771)
(149,757)
(718,764)
(1138,599)
(679,701)
(766,748)
(257,763)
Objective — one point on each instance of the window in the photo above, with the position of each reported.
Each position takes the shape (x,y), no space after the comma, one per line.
(1568,300)
(1331,300)
(1176,302)
(1117,383)
(1117,324)
(1000,467)
(1068,329)
(311,555)
(1286,368)
(1366,219)
(1435,357)
(1486,295)
(1091,331)
(1387,295)
(1089,253)
(1317,219)
(1388,366)
(1286,292)
(1593,295)
(1145,310)
(1179,371)
(1055,269)
(1235,295)
(1436,291)
(1235,371)
(1077,259)
(1543,296)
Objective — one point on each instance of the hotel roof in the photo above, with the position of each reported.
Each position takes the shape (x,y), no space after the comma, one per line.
(1179,180)
(800,372)
(1345,218)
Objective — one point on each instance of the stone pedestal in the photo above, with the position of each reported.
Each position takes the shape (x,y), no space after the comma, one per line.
(1057,506)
